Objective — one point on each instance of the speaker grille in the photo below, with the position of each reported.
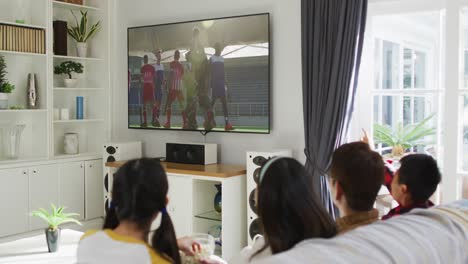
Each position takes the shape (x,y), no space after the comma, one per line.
(111,150)
(254,228)
(259,160)
(252,202)
(110,159)
(106,182)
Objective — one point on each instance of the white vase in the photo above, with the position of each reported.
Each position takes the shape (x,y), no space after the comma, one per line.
(3,101)
(82,49)
(71,143)
(70,83)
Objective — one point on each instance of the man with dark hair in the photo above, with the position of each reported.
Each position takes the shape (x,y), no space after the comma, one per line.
(356,176)
(413,183)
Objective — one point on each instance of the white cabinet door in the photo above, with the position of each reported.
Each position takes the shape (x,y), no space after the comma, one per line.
(14,201)
(43,191)
(72,183)
(180,204)
(94,189)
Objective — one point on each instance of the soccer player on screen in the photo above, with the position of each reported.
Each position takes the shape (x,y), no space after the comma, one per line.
(147,77)
(175,92)
(158,87)
(218,83)
(200,69)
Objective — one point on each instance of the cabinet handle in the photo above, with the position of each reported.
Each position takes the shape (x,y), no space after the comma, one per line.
(34,171)
(91,165)
(24,172)
(81,166)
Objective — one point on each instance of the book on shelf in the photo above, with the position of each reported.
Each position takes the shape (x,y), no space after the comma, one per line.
(22,39)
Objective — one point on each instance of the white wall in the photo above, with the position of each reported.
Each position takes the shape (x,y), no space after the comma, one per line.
(287,129)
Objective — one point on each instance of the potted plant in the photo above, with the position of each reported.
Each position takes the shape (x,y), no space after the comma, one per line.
(403,137)
(82,34)
(67,68)
(54,220)
(5,87)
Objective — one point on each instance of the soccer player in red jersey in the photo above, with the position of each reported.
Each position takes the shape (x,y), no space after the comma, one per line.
(175,92)
(147,77)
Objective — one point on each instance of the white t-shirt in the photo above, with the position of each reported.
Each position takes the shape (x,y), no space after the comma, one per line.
(106,246)
(246,253)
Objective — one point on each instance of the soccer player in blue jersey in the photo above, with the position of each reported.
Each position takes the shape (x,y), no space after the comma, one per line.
(218,83)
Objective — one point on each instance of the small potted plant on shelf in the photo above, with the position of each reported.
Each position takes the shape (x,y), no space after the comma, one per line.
(54,220)
(81,33)
(402,137)
(5,87)
(67,68)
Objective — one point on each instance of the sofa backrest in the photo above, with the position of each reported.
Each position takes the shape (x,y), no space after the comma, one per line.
(436,235)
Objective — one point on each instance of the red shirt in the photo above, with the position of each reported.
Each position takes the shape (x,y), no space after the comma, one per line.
(177,72)
(148,73)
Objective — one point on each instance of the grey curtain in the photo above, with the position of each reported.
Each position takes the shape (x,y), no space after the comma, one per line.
(332,40)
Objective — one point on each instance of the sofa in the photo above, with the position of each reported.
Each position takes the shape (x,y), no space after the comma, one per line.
(436,235)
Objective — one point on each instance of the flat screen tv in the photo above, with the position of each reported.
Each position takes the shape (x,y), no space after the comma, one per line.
(208,75)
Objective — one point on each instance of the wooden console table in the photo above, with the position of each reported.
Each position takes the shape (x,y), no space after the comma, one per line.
(191,201)
(212,170)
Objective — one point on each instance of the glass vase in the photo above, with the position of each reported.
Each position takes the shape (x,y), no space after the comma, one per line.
(11,139)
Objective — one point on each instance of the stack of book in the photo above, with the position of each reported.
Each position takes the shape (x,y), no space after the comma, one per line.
(22,39)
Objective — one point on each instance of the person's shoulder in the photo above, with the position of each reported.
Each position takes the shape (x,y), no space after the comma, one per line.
(89,233)
(155,257)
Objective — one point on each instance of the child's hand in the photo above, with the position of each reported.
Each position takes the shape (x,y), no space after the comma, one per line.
(188,246)
(365,138)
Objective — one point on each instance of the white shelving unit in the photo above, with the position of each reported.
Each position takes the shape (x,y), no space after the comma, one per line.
(42,138)
(43,174)
(21,25)
(58,4)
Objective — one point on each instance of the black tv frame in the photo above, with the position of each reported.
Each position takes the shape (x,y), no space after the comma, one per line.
(203,131)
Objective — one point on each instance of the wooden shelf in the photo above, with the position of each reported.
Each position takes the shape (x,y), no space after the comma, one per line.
(21,25)
(76,58)
(7,52)
(77,121)
(59,4)
(24,111)
(77,89)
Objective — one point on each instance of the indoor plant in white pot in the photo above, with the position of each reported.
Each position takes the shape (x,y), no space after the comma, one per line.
(81,34)
(67,68)
(5,87)
(54,220)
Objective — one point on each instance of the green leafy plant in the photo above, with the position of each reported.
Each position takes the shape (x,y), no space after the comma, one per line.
(55,218)
(5,86)
(80,31)
(402,137)
(68,67)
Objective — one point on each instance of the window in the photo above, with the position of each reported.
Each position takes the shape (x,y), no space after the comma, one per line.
(402,96)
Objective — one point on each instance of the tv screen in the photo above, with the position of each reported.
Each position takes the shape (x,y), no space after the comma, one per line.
(207,75)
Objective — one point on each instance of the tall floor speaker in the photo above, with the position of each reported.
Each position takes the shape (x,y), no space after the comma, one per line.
(117,151)
(255,161)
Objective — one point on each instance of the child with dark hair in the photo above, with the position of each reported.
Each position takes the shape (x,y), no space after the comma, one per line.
(139,195)
(413,183)
(288,208)
(356,176)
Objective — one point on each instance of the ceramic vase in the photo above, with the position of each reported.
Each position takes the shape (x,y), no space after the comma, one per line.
(82,49)
(53,239)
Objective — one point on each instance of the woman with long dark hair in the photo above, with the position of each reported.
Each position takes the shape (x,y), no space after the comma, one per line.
(139,195)
(288,210)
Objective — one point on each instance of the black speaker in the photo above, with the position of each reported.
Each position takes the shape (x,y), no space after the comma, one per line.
(200,154)
(60,38)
